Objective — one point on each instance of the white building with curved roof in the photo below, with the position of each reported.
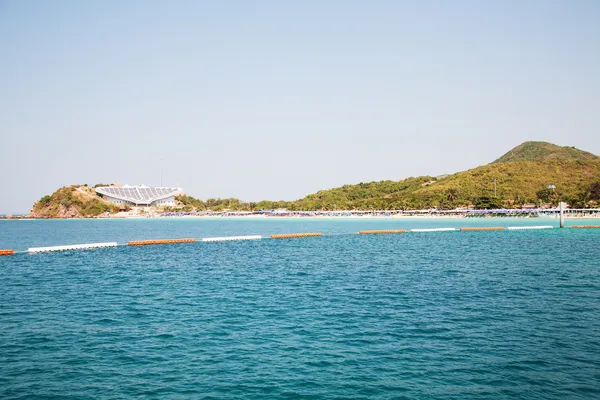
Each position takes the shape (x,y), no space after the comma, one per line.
(142,195)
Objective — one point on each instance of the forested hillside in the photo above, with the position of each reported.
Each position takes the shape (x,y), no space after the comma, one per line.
(533,172)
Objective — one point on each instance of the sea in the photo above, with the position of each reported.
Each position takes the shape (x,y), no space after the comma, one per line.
(431,315)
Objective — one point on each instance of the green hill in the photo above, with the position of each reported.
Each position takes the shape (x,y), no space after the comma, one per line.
(514,183)
(544,151)
(525,174)
(535,172)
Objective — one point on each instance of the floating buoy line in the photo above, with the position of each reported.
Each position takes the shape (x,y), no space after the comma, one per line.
(33,250)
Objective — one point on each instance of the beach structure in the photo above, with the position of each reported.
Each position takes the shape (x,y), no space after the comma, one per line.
(139,195)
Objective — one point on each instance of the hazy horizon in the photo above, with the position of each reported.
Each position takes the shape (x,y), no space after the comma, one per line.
(275,101)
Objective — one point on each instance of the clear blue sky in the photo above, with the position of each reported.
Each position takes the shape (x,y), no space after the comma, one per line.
(278,99)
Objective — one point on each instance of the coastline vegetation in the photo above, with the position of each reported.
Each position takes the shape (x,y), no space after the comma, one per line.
(532,174)
(517,185)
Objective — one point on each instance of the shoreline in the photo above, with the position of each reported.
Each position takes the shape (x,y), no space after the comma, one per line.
(314,217)
(282,214)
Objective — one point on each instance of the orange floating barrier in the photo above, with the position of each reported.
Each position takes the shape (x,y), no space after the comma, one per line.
(382,231)
(484,228)
(295,235)
(162,241)
(7,252)
(586,226)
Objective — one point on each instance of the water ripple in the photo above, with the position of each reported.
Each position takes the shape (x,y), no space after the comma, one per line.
(453,316)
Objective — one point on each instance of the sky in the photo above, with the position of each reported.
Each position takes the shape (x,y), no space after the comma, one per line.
(278,99)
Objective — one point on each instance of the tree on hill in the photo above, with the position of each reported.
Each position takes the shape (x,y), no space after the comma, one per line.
(549,195)
(488,203)
(589,197)
(594,191)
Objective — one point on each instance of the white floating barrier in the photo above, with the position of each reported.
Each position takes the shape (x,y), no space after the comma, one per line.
(71,247)
(433,230)
(515,228)
(230,238)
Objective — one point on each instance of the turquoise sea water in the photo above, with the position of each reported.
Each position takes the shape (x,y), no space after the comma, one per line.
(449,315)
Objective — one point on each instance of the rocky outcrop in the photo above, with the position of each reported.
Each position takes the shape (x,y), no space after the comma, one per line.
(77,201)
